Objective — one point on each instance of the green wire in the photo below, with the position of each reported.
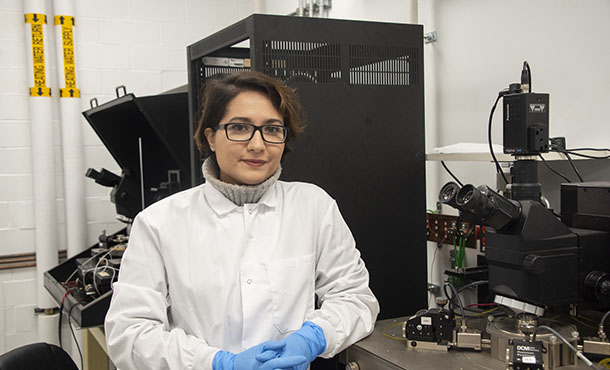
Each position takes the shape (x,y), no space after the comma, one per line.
(460,250)
(463,251)
(455,253)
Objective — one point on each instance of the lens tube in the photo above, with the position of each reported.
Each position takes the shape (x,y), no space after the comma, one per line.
(495,210)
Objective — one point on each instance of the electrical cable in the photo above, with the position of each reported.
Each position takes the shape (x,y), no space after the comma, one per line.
(481,305)
(97,266)
(584,155)
(462,250)
(61,313)
(573,166)
(589,319)
(451,173)
(583,323)
(588,149)
(605,363)
(567,155)
(479,314)
(455,294)
(434,258)
(488,311)
(580,355)
(84,263)
(432,264)
(451,303)
(460,256)
(455,252)
(74,336)
(491,149)
(553,170)
(526,67)
(392,326)
(602,321)
(473,284)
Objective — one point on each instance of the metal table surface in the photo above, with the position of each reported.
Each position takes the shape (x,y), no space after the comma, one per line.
(377,352)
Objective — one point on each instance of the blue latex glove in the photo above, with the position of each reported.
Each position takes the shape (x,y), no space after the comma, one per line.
(265,356)
(308,341)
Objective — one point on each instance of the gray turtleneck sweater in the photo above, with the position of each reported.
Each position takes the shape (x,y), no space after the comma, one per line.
(238,194)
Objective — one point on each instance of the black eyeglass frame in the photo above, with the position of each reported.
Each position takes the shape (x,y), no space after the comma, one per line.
(255,128)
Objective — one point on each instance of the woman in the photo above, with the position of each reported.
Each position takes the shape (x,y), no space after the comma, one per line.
(225,275)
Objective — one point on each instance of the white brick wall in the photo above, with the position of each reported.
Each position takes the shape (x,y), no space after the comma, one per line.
(17,320)
(137,43)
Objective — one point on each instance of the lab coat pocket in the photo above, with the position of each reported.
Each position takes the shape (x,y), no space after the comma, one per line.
(292,283)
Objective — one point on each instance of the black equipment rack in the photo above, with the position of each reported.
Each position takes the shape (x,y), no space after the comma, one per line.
(362,88)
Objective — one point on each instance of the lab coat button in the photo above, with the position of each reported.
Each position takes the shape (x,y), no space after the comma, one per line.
(250,211)
(249,281)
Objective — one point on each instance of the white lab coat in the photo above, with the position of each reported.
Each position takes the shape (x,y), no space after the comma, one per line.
(202,274)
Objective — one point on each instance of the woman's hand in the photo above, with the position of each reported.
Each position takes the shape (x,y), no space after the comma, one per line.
(264,356)
(307,342)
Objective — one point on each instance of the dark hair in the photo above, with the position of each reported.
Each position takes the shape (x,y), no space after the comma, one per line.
(220,92)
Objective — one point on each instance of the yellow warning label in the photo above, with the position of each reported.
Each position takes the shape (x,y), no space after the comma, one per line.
(64,19)
(69,92)
(67,35)
(35,18)
(40,91)
(40,80)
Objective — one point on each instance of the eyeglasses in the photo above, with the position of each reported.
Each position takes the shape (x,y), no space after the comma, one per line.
(237,131)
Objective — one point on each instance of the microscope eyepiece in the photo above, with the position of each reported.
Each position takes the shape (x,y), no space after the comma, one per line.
(480,204)
(475,200)
(448,194)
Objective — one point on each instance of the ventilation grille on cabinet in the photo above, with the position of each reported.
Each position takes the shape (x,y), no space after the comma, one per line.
(302,61)
(208,68)
(382,65)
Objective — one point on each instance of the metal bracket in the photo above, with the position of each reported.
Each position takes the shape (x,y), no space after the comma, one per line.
(429,37)
(121,87)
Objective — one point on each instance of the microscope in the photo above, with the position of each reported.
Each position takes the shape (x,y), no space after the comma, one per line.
(535,261)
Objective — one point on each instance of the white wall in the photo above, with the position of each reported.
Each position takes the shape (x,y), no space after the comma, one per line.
(137,43)
(141,44)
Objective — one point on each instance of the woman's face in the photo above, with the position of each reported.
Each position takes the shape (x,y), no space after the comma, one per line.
(247,162)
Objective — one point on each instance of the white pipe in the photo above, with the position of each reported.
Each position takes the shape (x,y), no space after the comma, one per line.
(71,135)
(326,6)
(413,9)
(427,15)
(71,126)
(43,173)
(257,6)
